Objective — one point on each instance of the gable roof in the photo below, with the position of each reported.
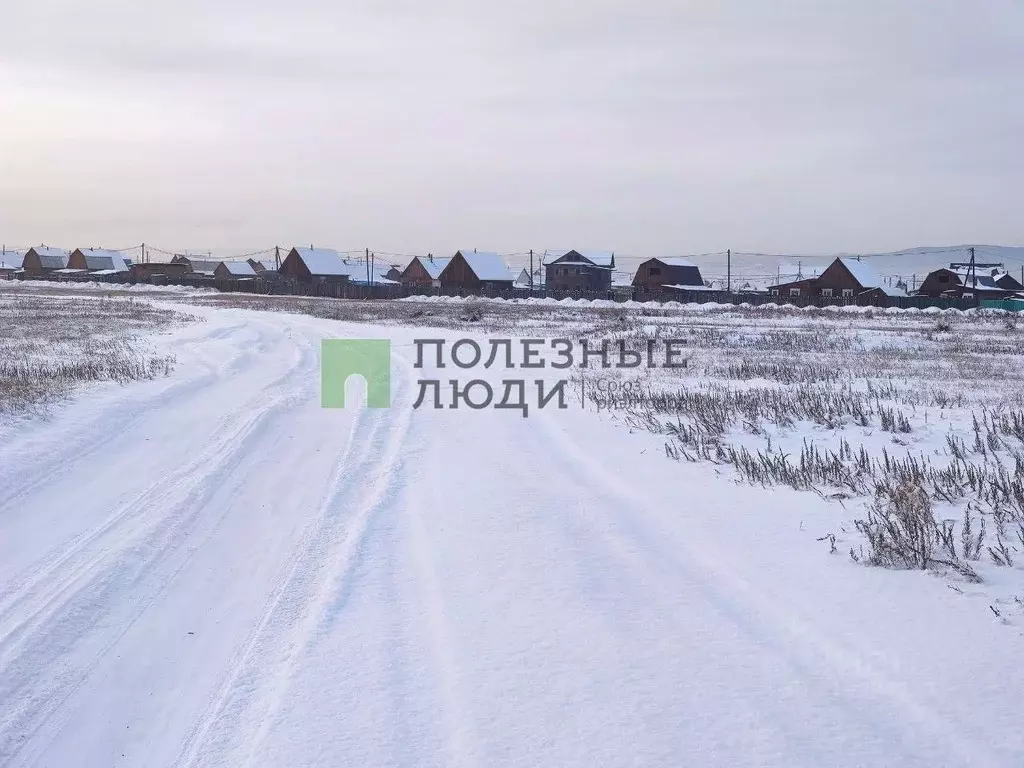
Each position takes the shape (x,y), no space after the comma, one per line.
(268,264)
(676,261)
(239,268)
(356,271)
(198,263)
(487,266)
(322,261)
(11,260)
(864,274)
(434,265)
(597,258)
(51,258)
(45,250)
(100,259)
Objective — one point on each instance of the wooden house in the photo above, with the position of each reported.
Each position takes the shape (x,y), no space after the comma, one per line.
(574,270)
(474,271)
(149,271)
(424,271)
(985,281)
(315,265)
(845,278)
(197,265)
(42,260)
(99,261)
(264,267)
(11,263)
(654,276)
(234,270)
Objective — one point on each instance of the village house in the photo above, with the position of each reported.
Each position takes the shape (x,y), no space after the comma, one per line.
(424,271)
(475,271)
(372,272)
(98,261)
(152,271)
(846,277)
(658,276)
(315,265)
(234,270)
(579,270)
(197,265)
(958,281)
(264,267)
(11,263)
(42,260)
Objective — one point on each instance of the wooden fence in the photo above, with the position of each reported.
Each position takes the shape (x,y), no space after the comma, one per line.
(279,286)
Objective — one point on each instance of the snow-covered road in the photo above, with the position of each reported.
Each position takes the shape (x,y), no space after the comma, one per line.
(211,570)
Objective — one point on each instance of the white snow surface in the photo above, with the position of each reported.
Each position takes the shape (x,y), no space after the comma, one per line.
(211,570)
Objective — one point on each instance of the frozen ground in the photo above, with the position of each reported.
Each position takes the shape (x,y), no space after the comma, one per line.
(208,569)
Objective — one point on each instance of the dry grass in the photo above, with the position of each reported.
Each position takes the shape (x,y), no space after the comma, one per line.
(51,344)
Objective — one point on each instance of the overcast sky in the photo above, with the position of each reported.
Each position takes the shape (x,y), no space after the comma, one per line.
(654,127)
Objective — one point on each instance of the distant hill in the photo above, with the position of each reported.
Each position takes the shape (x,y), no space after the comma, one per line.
(762,269)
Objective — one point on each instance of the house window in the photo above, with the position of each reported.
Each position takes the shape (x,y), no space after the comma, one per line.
(794,291)
(654,271)
(847,293)
(773,292)
(826,292)
(943,278)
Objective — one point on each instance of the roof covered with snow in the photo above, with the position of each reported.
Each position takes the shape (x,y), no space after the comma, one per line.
(487,266)
(676,261)
(599,258)
(97,259)
(863,273)
(11,260)
(694,287)
(434,265)
(44,250)
(239,268)
(322,261)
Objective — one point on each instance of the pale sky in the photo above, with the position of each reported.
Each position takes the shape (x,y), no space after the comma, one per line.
(653,128)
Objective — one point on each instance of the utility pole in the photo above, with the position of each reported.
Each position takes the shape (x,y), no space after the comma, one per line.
(367,259)
(531,270)
(728,270)
(972,271)
(799,270)
(373,263)
(277,257)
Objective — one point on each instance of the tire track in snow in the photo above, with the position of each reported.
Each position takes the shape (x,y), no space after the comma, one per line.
(116,421)
(702,565)
(462,737)
(69,610)
(242,715)
(56,564)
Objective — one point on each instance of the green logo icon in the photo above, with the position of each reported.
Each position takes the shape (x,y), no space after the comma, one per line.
(369,358)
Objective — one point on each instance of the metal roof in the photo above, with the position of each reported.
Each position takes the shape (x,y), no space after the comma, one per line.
(487,266)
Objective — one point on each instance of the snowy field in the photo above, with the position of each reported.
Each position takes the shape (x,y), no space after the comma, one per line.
(757,560)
